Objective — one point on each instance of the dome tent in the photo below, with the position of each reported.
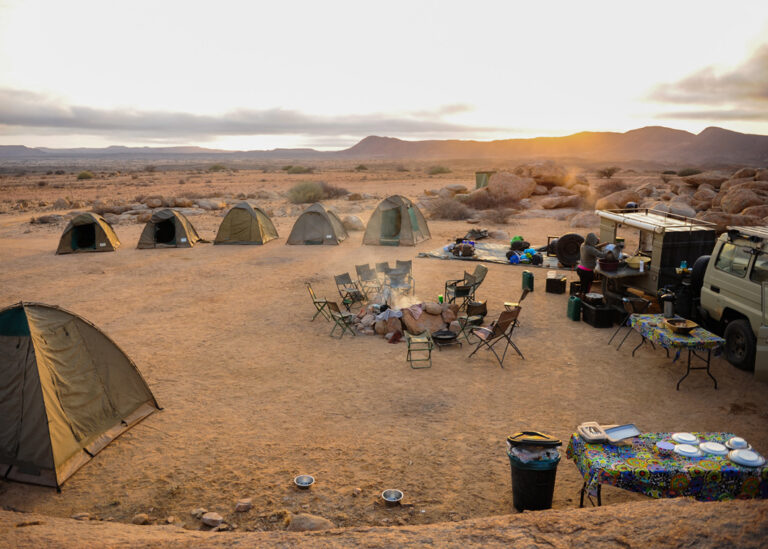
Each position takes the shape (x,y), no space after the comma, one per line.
(396,222)
(168,229)
(88,232)
(245,224)
(316,225)
(66,391)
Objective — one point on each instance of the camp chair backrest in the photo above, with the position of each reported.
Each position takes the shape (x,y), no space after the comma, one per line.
(524,295)
(480,272)
(343,279)
(404,265)
(364,272)
(382,267)
(505,320)
(334,308)
(311,292)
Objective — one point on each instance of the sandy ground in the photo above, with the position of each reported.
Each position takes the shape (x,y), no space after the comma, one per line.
(254,393)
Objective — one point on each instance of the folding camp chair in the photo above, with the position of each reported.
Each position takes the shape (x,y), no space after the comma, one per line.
(509,306)
(367,280)
(382,270)
(500,330)
(320,304)
(407,267)
(341,320)
(632,305)
(463,289)
(349,291)
(422,345)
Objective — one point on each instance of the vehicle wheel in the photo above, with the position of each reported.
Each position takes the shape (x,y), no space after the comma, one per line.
(740,344)
(697,274)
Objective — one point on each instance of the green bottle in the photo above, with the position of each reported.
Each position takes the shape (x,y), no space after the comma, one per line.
(528,281)
(574,308)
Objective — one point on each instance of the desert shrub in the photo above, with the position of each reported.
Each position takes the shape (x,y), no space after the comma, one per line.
(42,183)
(499,216)
(85,175)
(182,181)
(688,171)
(59,172)
(607,173)
(150,169)
(669,172)
(217,168)
(331,191)
(49,172)
(486,201)
(303,193)
(361,168)
(401,168)
(445,208)
(437,170)
(300,169)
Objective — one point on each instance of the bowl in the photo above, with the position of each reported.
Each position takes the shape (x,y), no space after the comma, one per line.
(303,482)
(680,326)
(608,266)
(392,497)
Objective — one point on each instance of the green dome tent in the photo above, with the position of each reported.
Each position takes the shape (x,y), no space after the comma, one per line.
(168,229)
(66,392)
(245,224)
(396,222)
(317,226)
(88,232)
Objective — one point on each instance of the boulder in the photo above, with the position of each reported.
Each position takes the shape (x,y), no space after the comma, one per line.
(432,308)
(183,202)
(455,327)
(606,187)
(243,505)
(380,327)
(561,191)
(212,519)
(448,316)
(354,197)
(617,200)
(712,178)
(432,323)
(208,204)
(498,235)
(580,189)
(304,522)
(731,183)
(758,211)
(510,187)
(554,202)
(540,190)
(111,218)
(45,219)
(526,203)
(140,518)
(724,220)
(704,193)
(143,217)
(681,208)
(744,172)
(353,223)
(457,188)
(368,321)
(545,173)
(585,219)
(61,204)
(154,201)
(394,325)
(198,512)
(761,175)
(738,199)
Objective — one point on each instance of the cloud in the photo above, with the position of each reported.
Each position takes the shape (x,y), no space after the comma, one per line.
(29,112)
(738,94)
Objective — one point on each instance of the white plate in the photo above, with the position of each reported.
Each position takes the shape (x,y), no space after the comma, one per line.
(685,438)
(737,443)
(748,458)
(713,448)
(687,450)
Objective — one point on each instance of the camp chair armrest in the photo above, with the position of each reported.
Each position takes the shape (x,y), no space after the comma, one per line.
(483,330)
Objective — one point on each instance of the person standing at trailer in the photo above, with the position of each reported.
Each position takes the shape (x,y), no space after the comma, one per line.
(590,253)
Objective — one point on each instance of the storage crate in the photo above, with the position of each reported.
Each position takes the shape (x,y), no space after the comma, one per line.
(556,285)
(575,288)
(597,317)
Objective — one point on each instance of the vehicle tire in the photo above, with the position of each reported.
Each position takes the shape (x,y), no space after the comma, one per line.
(740,344)
(697,274)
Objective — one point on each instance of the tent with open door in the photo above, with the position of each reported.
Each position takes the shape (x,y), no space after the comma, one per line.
(66,391)
(317,226)
(88,232)
(396,222)
(245,224)
(168,229)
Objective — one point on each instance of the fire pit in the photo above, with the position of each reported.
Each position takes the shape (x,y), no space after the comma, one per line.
(444,338)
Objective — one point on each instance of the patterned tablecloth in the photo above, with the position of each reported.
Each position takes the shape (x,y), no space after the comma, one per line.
(653,328)
(638,467)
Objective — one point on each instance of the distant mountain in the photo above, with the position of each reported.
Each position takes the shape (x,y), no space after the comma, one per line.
(651,144)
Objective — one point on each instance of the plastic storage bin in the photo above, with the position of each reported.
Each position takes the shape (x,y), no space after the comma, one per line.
(597,317)
(556,285)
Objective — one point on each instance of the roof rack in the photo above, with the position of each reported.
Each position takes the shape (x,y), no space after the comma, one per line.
(656,220)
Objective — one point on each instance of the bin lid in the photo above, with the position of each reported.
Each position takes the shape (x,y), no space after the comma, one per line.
(533,438)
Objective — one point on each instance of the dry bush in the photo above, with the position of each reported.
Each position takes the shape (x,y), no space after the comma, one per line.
(304,193)
(437,170)
(499,216)
(445,208)
(331,191)
(85,174)
(486,201)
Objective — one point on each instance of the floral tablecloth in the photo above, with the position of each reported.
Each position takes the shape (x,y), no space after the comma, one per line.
(636,466)
(652,327)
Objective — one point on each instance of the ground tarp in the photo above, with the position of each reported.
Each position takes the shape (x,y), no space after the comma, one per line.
(484,251)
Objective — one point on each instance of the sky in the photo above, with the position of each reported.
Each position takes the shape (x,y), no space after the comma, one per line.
(258,74)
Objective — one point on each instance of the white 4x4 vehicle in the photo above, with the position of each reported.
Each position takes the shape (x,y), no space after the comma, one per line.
(733,296)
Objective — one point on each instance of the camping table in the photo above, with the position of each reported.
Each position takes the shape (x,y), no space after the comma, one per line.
(615,277)
(653,329)
(635,465)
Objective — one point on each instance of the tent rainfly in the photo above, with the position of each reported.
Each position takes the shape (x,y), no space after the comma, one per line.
(66,391)
(88,232)
(245,224)
(168,229)
(396,222)
(316,225)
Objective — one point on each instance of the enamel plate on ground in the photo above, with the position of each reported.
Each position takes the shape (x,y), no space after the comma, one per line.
(687,450)
(713,448)
(684,438)
(746,457)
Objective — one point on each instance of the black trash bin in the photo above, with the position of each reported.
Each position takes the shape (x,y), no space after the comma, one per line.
(533,478)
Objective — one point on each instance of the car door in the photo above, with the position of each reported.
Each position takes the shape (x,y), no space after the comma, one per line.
(761,354)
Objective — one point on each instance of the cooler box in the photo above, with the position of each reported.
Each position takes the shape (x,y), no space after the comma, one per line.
(556,285)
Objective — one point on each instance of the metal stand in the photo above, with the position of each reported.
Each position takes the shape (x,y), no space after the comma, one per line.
(705,360)
(584,491)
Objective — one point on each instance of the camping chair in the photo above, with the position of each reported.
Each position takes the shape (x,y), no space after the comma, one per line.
(407,266)
(349,291)
(509,306)
(632,305)
(422,345)
(320,304)
(382,270)
(367,279)
(500,330)
(464,288)
(341,320)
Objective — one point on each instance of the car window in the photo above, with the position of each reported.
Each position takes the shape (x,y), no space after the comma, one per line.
(733,259)
(760,269)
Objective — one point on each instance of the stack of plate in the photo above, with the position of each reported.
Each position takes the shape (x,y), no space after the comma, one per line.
(685,438)
(687,450)
(713,448)
(747,458)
